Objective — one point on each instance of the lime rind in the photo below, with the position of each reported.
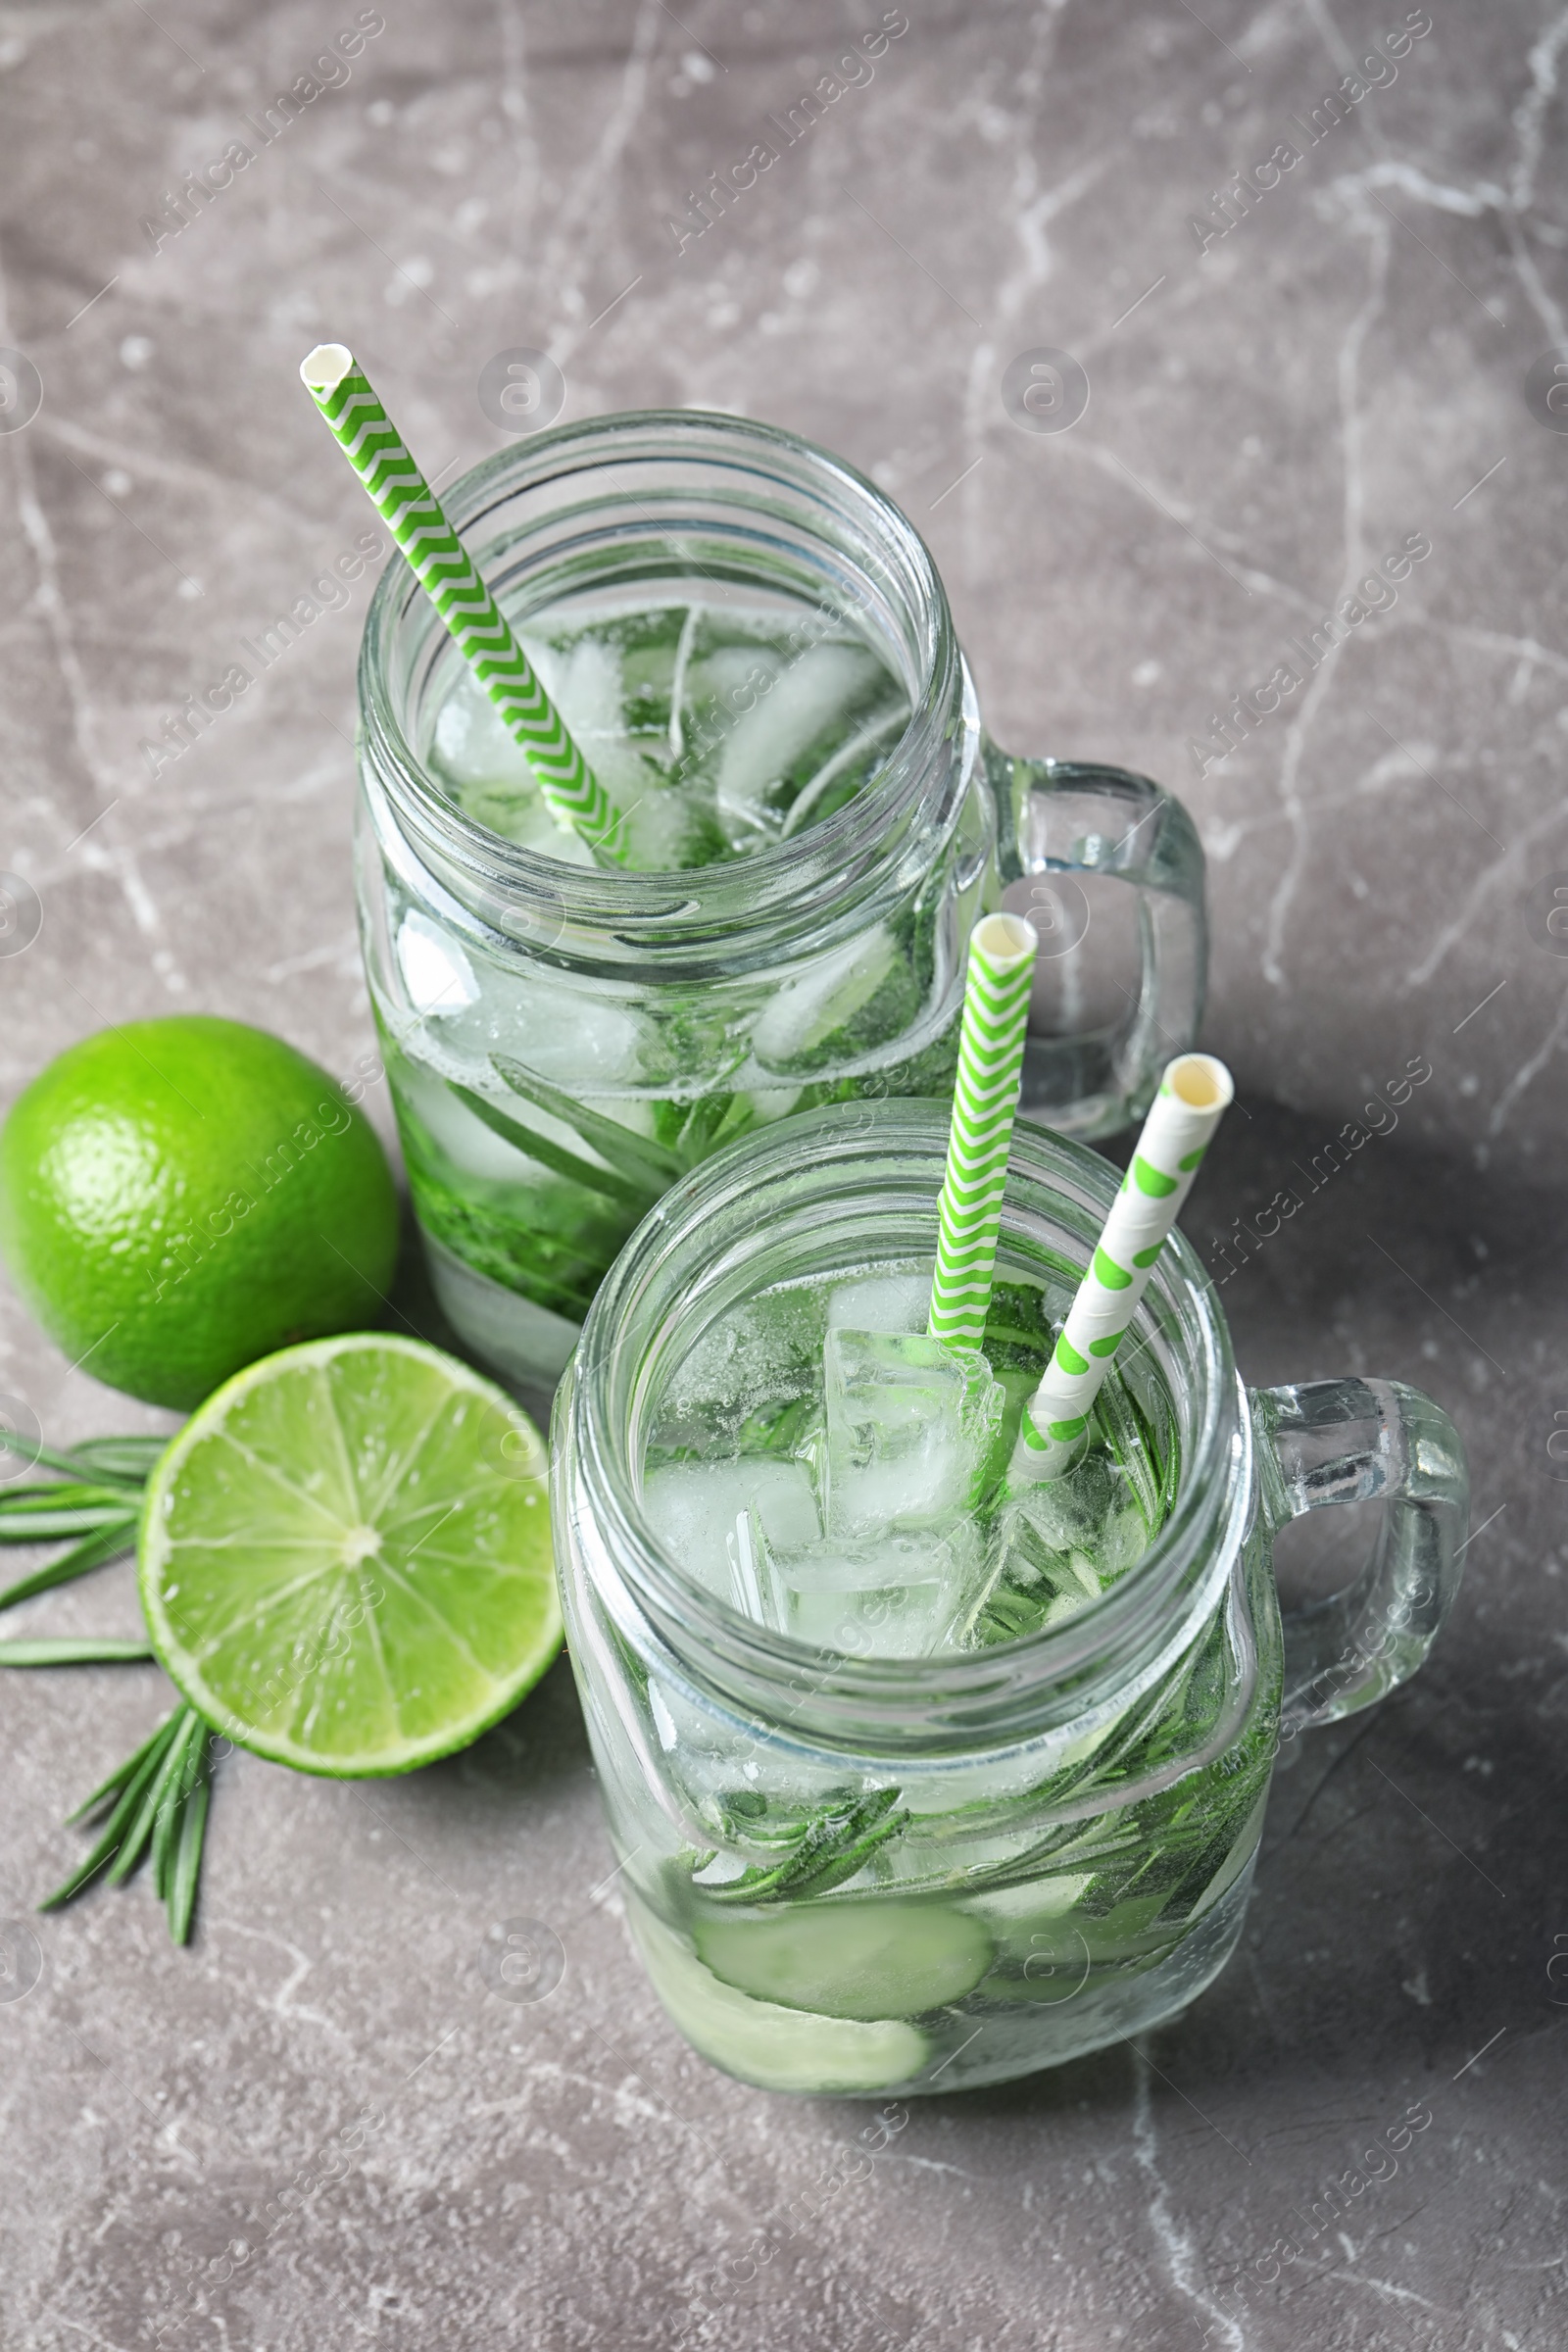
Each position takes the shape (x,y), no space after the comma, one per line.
(180,1197)
(345,1558)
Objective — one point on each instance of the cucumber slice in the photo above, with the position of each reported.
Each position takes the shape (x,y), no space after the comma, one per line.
(773,2047)
(866,1959)
(1031,1905)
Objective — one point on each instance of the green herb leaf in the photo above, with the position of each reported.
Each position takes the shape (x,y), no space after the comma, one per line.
(93,1551)
(91,1649)
(62,1495)
(125,1812)
(123,1461)
(652,1167)
(53,1512)
(121,1778)
(605,1181)
(160,1799)
(166,1831)
(37,1455)
(709,1122)
(130,1461)
(187,1860)
(1131,1442)
(834,1847)
(135,1832)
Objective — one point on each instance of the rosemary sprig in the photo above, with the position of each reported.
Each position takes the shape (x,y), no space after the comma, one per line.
(155,1802)
(834,1846)
(650,1168)
(185,1854)
(609,1182)
(123,1461)
(95,1550)
(123,1793)
(91,1649)
(34,1514)
(130,1460)
(95,1499)
(1131,1441)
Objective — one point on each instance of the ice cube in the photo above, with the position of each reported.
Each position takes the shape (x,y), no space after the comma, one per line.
(677,679)
(843,771)
(666,832)
(1057,1547)
(436,973)
(584,1039)
(749,1387)
(1092,1511)
(586,683)
(802,704)
(750,1568)
(429,1075)
(723,676)
(910,1426)
(719,671)
(472,743)
(486,771)
(881,1303)
(583,680)
(892,1596)
(798,1016)
(521,815)
(693,1509)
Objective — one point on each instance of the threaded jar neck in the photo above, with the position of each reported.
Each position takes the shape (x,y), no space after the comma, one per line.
(841,1190)
(602,509)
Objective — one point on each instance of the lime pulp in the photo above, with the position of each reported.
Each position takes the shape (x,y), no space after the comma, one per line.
(345,1556)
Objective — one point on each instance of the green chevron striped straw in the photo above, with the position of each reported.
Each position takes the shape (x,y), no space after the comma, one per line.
(445,570)
(1193,1097)
(985,1096)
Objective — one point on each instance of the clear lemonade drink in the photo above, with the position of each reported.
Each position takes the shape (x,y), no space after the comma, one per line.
(538,1126)
(921,1774)
(752,650)
(833,1472)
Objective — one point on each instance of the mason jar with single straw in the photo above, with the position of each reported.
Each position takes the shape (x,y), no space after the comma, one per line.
(826,967)
(1043,1844)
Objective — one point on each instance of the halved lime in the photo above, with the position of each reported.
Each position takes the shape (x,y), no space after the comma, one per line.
(345,1556)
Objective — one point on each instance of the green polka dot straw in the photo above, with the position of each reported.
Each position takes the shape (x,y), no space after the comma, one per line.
(446,571)
(985,1098)
(1194,1095)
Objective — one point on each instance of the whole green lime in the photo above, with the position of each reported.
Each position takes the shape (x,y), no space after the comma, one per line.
(181,1196)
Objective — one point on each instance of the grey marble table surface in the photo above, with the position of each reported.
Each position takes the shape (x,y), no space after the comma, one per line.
(1296,370)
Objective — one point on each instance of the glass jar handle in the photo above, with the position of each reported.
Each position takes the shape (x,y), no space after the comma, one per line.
(1355,1441)
(1092,1063)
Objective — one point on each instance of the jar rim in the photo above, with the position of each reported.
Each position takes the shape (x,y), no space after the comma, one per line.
(777,890)
(1010,1689)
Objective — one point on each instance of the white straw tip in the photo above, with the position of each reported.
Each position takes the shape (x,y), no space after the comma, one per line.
(324,368)
(1006,941)
(1200,1082)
